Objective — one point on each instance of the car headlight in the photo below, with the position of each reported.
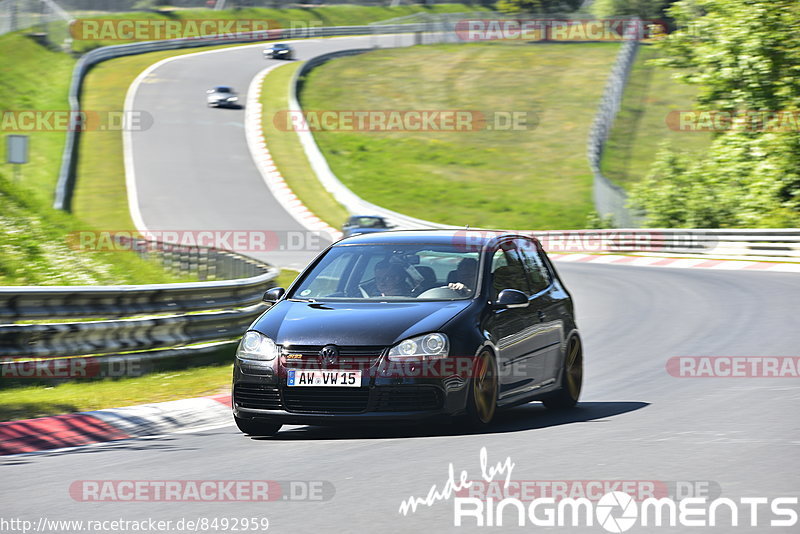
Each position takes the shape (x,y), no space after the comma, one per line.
(428,347)
(233,98)
(255,346)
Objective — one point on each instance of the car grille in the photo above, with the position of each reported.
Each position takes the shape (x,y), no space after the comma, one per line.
(406,399)
(257,396)
(326,400)
(353,358)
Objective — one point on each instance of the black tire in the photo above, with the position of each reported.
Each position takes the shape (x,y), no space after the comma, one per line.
(482,396)
(254,427)
(571,378)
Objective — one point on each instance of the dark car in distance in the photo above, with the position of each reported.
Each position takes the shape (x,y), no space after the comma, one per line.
(365,224)
(279,51)
(407,326)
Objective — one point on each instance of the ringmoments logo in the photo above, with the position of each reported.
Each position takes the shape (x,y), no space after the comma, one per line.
(615,511)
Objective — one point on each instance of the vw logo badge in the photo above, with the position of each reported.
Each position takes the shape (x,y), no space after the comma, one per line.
(328,355)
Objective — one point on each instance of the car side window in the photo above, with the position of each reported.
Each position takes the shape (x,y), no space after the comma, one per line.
(538,274)
(508,271)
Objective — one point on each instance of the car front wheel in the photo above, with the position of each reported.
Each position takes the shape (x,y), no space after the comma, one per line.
(571,378)
(254,427)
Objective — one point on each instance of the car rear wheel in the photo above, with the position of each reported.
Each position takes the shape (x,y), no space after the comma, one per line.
(253,427)
(571,378)
(482,401)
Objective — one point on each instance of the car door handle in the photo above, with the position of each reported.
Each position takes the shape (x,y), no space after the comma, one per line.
(542,315)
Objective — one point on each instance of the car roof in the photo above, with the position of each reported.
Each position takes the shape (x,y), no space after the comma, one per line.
(438,237)
(280,45)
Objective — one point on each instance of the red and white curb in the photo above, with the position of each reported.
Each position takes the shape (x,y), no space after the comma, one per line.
(266,166)
(88,428)
(679,263)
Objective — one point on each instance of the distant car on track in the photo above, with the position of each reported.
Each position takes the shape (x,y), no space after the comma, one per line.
(279,51)
(365,224)
(408,326)
(222,96)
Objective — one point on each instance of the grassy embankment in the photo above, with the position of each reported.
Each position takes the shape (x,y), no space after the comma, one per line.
(535,176)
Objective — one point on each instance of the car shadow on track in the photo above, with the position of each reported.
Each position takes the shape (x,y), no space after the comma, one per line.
(531,416)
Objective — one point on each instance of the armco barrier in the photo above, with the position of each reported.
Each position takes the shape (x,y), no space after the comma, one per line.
(747,244)
(137,318)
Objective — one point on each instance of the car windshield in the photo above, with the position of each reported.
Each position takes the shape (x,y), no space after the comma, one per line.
(369,222)
(224,90)
(407,272)
(280,47)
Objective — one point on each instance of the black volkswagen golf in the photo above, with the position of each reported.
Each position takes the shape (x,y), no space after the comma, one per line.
(411,325)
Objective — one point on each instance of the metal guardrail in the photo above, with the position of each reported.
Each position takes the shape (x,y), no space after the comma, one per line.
(138,317)
(62,340)
(747,244)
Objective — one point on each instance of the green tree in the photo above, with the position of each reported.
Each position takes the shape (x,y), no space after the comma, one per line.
(745,55)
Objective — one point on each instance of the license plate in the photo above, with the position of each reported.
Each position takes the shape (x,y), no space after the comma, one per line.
(347,379)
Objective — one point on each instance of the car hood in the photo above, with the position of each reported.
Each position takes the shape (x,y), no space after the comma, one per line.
(354,323)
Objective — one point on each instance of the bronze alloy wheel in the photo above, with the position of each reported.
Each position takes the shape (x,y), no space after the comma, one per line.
(483,397)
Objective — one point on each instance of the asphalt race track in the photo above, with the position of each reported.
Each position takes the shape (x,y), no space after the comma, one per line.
(738,437)
(635,422)
(193,168)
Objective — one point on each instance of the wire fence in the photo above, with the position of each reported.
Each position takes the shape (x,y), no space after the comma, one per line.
(43,18)
(609,198)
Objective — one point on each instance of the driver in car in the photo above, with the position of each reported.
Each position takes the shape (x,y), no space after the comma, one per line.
(390,280)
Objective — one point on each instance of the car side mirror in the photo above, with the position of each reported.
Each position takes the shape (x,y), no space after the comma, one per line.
(273,295)
(511,298)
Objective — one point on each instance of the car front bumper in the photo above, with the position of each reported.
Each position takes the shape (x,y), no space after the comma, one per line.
(267,397)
